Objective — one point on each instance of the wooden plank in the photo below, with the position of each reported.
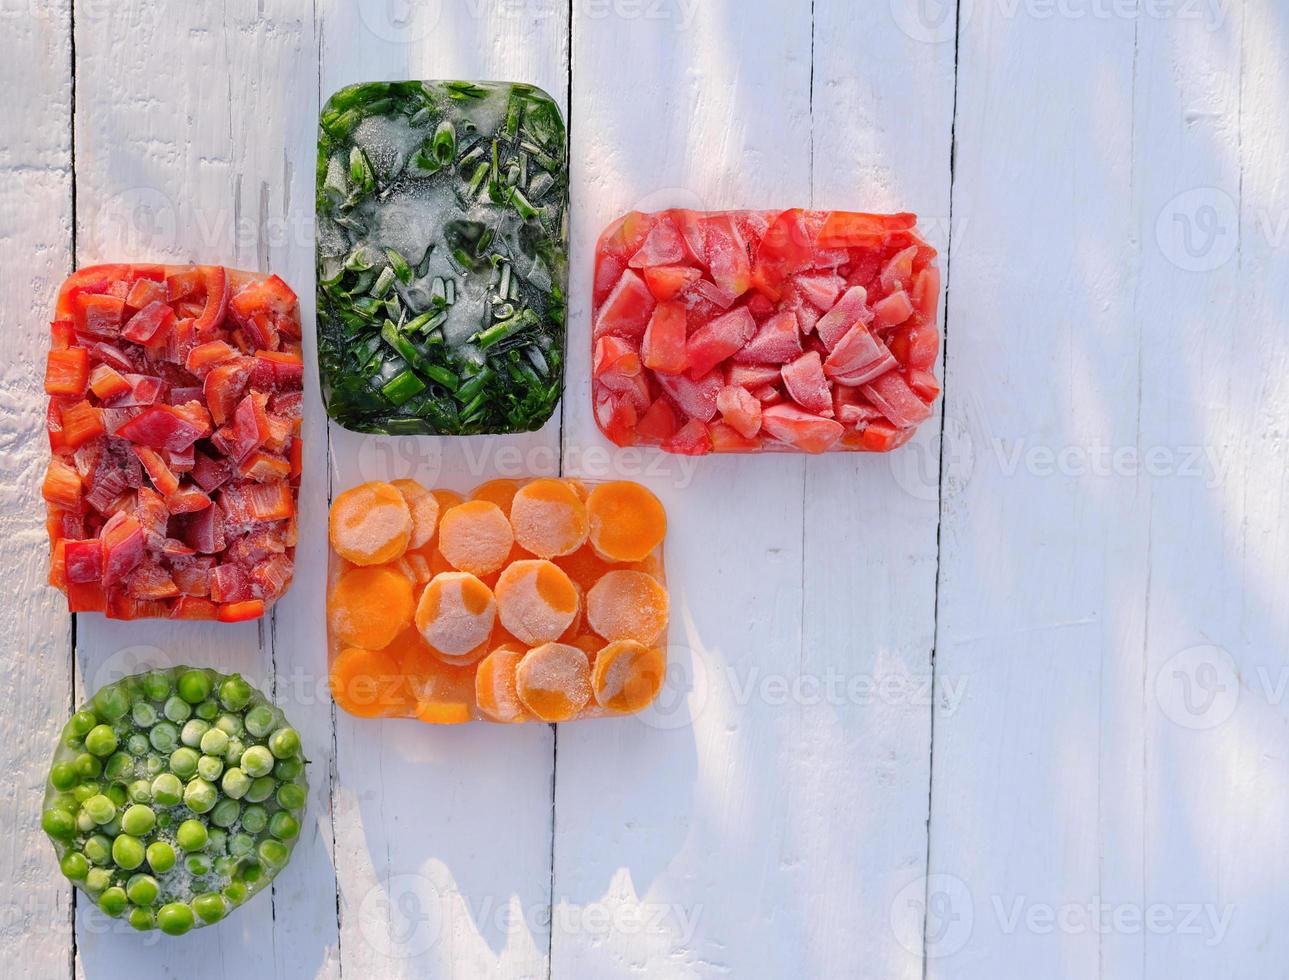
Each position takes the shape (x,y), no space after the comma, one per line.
(1042,574)
(862,781)
(676,836)
(443,835)
(171,166)
(36,231)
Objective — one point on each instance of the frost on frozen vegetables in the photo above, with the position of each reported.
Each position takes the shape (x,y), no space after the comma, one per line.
(442,257)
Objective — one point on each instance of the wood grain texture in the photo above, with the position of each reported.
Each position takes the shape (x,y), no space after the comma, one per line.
(443,834)
(36,233)
(677,836)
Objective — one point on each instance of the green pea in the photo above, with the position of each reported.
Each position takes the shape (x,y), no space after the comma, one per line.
(138,820)
(97,880)
(161,856)
(100,808)
(283,826)
(143,919)
(198,865)
(234,693)
(240,845)
(261,789)
(165,819)
(200,795)
(236,749)
(112,827)
(65,801)
(87,766)
(192,835)
(167,790)
(235,892)
(291,796)
(214,741)
(137,745)
(225,866)
(209,767)
(235,783)
(183,762)
(85,790)
(175,918)
(194,686)
(287,769)
(164,736)
(74,865)
(63,775)
(142,889)
(259,720)
(101,740)
(82,723)
(217,840)
(127,852)
(284,743)
(85,823)
(113,901)
(154,764)
(207,711)
(225,813)
(209,907)
(98,849)
(192,732)
(257,761)
(273,853)
(177,709)
(73,743)
(111,702)
(252,873)
(156,685)
(117,794)
(119,766)
(140,791)
(254,819)
(230,725)
(144,714)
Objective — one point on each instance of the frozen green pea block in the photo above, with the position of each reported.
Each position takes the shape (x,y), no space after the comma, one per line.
(160,838)
(442,257)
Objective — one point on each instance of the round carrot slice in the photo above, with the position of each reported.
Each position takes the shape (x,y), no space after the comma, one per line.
(447,499)
(627,605)
(549,518)
(494,685)
(476,537)
(536,601)
(430,681)
(443,713)
(554,681)
(584,566)
(589,644)
(368,683)
(370,524)
(628,676)
(455,616)
(369,606)
(626,520)
(500,492)
(576,627)
(424,507)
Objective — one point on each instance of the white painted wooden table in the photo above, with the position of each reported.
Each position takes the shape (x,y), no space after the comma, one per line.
(1009,703)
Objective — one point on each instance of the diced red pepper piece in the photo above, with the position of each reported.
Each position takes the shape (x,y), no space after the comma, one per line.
(107,383)
(81,422)
(296,455)
(158,471)
(193,607)
(264,468)
(123,547)
(805,382)
(800,429)
(160,427)
(62,485)
(150,582)
(150,323)
(83,561)
(62,334)
(111,355)
(777,341)
(215,279)
(224,387)
(250,424)
(204,531)
(205,356)
(669,281)
(691,439)
(271,577)
(144,292)
(664,344)
(719,339)
(271,501)
(229,583)
(210,473)
(58,564)
(187,500)
(240,612)
(87,597)
(627,310)
(892,395)
(98,315)
(182,462)
(144,390)
(183,284)
(193,578)
(278,371)
(67,372)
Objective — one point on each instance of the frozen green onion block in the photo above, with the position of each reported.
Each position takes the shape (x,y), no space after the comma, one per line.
(174,796)
(442,257)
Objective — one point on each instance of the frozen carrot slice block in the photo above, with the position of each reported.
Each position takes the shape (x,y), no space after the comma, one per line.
(554,681)
(424,508)
(455,615)
(627,521)
(536,601)
(628,676)
(549,518)
(368,606)
(495,685)
(585,566)
(476,537)
(500,492)
(368,683)
(370,524)
(627,605)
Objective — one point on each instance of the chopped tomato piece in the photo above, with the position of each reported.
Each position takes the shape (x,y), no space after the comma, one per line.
(894,309)
(924,385)
(777,341)
(882,437)
(697,399)
(659,423)
(662,246)
(692,439)
(858,357)
(67,372)
(739,410)
(727,255)
(627,310)
(668,281)
(892,395)
(727,439)
(805,382)
(844,229)
(719,339)
(664,344)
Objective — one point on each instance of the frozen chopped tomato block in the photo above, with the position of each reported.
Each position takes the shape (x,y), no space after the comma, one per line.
(174,429)
(747,331)
(538,600)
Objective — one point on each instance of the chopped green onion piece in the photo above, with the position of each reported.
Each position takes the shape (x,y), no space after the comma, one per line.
(384,282)
(399,265)
(402,387)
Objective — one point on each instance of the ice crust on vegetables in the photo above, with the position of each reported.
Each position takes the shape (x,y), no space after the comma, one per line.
(442,256)
(175,796)
(751,331)
(175,406)
(502,609)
